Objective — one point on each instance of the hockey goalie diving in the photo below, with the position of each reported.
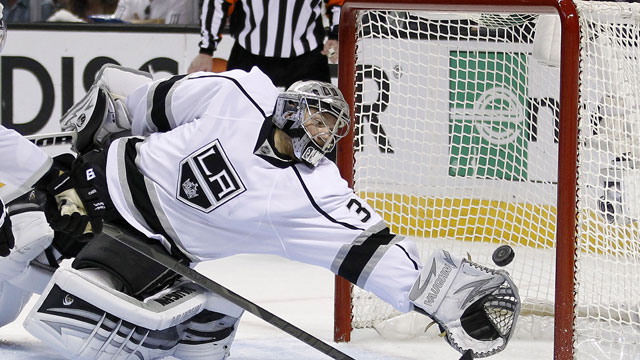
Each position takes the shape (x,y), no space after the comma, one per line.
(204,167)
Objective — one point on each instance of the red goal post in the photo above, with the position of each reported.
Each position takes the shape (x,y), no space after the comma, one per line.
(567,139)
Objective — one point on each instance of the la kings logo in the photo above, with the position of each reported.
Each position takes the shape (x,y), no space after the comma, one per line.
(207,179)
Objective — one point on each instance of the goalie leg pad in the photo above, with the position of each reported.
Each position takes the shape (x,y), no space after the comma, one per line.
(34,278)
(33,235)
(476,306)
(209,334)
(208,337)
(12,301)
(83,317)
(118,259)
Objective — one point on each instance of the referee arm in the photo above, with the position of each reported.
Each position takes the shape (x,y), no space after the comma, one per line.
(330,48)
(213,18)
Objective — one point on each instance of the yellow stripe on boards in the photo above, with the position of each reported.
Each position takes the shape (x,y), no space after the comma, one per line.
(491,221)
(467,219)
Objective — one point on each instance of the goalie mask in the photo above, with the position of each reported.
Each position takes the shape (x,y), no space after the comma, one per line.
(315,115)
(3,28)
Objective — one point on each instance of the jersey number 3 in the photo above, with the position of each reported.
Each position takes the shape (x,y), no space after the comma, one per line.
(359,209)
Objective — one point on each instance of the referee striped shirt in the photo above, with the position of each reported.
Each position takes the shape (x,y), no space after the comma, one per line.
(276,28)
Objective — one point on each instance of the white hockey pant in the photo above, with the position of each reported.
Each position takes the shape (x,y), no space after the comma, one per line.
(82,316)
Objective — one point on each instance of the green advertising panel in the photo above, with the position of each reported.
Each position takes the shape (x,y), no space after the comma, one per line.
(488,130)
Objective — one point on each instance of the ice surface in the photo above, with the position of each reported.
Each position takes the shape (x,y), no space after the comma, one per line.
(302,295)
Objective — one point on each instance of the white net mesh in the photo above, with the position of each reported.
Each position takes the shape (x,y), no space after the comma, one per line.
(608,268)
(457,147)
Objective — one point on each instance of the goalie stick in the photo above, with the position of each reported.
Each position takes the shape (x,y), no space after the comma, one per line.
(170,263)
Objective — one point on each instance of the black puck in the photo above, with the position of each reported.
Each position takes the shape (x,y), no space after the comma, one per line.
(503,255)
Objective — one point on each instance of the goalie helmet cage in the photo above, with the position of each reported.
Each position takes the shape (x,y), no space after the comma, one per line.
(464,140)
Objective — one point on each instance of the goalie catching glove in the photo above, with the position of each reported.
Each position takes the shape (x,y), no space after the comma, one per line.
(77,207)
(476,307)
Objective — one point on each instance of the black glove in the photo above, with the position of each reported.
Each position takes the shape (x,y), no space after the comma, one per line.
(6,234)
(74,206)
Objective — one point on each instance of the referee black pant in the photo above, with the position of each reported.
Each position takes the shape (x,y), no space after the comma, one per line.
(282,71)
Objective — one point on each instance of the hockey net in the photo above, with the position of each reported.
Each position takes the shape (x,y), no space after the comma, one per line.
(464,140)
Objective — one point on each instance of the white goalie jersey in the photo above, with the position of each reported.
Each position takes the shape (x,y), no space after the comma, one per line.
(204,179)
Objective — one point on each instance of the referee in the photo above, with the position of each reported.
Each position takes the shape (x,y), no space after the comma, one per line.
(284,38)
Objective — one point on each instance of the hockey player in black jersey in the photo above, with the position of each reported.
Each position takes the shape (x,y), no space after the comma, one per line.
(220,164)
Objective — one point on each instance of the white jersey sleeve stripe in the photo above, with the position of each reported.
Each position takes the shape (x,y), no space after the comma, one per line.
(356,261)
(124,187)
(342,253)
(168,104)
(374,260)
(360,257)
(138,193)
(160,101)
(151,127)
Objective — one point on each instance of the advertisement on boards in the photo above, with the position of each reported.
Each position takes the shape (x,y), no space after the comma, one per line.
(460,113)
(43,72)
